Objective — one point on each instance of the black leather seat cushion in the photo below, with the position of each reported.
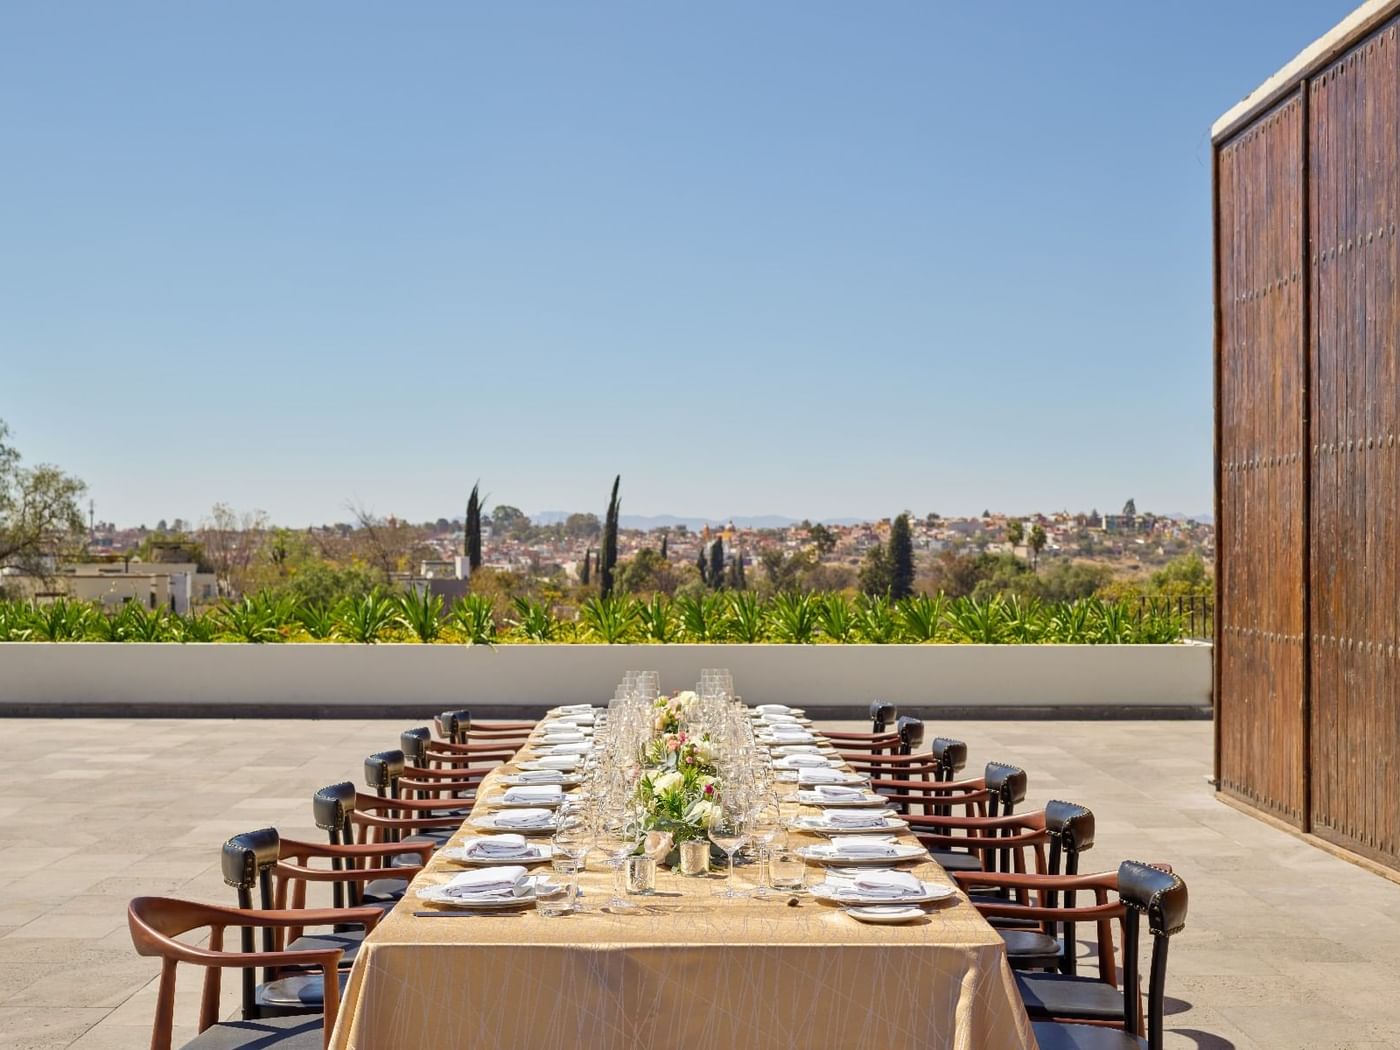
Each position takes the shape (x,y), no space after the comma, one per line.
(302,991)
(1051,1036)
(1049,995)
(1030,947)
(380,891)
(302,1032)
(348,941)
(956,860)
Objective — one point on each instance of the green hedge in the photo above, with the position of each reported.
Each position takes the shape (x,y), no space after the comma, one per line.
(722,617)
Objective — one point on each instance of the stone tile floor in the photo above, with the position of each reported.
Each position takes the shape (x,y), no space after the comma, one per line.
(1286,947)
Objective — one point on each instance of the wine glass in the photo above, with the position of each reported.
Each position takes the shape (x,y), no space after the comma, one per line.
(729,832)
(573,838)
(765,828)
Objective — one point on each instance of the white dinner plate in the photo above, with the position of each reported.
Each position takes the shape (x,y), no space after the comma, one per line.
(480,902)
(844,892)
(885,914)
(539,853)
(566,772)
(904,852)
(821,827)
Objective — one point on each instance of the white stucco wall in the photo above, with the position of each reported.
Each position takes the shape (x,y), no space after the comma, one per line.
(519,675)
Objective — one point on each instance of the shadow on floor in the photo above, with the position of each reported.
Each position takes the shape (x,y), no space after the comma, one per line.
(1204,1040)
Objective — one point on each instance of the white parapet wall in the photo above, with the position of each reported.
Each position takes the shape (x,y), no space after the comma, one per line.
(35,676)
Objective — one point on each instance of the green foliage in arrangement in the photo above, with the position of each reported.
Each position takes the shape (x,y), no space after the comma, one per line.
(792,618)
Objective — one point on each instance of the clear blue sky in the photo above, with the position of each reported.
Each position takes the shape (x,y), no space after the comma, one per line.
(806,258)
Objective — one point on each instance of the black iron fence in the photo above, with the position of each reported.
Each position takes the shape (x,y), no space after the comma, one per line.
(1195,611)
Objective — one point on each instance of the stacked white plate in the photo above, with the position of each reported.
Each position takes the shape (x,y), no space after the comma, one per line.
(491,850)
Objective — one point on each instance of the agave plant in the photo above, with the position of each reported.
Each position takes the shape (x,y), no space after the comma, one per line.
(1026,620)
(702,619)
(921,617)
(657,619)
(194,627)
(1115,624)
(420,612)
(61,620)
(1072,623)
(248,620)
(875,619)
(137,624)
(534,620)
(475,617)
(747,620)
(14,624)
(1159,627)
(317,619)
(837,618)
(792,619)
(977,621)
(365,619)
(612,619)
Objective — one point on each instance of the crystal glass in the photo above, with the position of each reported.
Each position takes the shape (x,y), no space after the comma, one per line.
(618,843)
(765,826)
(553,899)
(573,842)
(787,871)
(728,833)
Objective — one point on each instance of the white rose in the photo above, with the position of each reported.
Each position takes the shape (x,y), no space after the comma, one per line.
(703,813)
(705,751)
(666,782)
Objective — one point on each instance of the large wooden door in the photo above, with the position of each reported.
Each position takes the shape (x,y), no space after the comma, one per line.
(1354,106)
(1261,462)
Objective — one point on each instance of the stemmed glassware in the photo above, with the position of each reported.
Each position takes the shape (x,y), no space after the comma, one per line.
(765,828)
(729,832)
(618,842)
(573,838)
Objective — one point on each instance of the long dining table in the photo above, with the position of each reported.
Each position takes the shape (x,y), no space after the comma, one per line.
(684,970)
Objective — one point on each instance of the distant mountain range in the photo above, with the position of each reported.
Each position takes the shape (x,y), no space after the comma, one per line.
(647,522)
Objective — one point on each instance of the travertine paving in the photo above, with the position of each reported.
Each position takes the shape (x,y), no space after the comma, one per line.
(1286,946)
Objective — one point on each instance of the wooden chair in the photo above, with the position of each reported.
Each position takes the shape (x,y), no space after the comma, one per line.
(457,727)
(1076,1012)
(156,922)
(996,793)
(264,861)
(882,716)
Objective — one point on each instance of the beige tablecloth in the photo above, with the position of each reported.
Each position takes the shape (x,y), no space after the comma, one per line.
(687,972)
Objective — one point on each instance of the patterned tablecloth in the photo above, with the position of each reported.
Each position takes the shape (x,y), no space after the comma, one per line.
(686,972)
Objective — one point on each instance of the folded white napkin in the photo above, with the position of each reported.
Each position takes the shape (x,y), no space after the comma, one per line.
(559,761)
(779,708)
(581,718)
(564,736)
(861,847)
(541,776)
(508,881)
(810,777)
(788,729)
(803,762)
(565,709)
(572,747)
(839,792)
(499,846)
(888,885)
(534,793)
(856,818)
(525,818)
(798,749)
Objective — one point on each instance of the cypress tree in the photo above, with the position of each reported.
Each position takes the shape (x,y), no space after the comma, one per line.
(471,543)
(736,571)
(716,577)
(584,574)
(901,560)
(703,566)
(607,557)
(664,538)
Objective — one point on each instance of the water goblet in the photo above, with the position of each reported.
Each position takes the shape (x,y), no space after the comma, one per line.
(729,833)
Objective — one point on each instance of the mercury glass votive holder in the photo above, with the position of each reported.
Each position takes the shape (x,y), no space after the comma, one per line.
(695,857)
(641,875)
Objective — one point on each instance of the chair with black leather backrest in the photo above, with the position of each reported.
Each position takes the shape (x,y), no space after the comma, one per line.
(414,745)
(1143,889)
(882,715)
(911,733)
(950,754)
(454,726)
(334,809)
(1005,786)
(1070,830)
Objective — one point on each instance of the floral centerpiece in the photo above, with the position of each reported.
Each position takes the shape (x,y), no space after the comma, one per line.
(679,793)
(670,711)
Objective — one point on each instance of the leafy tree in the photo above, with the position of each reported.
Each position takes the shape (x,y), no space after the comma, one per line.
(641,574)
(875,577)
(508,520)
(1130,508)
(1014,532)
(1036,543)
(471,543)
(582,526)
(607,557)
(40,515)
(784,572)
(901,559)
(823,539)
(1183,575)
